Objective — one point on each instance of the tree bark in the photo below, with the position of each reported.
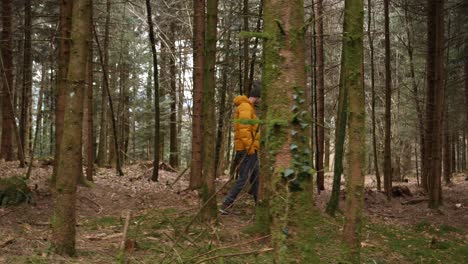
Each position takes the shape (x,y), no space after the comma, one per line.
(245,50)
(340,137)
(414,84)
(27,79)
(156,142)
(435,100)
(284,84)
(89,144)
(102,147)
(8,125)
(173,145)
(208,198)
(388,106)
(320,99)
(374,137)
(198,82)
(353,80)
(69,167)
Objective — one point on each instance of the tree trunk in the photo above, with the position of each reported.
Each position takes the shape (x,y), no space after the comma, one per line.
(156,142)
(38,119)
(27,79)
(284,79)
(89,144)
(245,50)
(69,167)
(208,198)
(320,122)
(340,136)
(435,100)
(414,84)
(374,137)
(388,105)
(102,147)
(8,125)
(111,105)
(353,80)
(198,82)
(222,105)
(173,147)
(62,63)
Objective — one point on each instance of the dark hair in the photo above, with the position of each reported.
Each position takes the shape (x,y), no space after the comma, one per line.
(256,90)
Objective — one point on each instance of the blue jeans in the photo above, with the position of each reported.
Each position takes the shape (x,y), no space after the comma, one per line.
(248,170)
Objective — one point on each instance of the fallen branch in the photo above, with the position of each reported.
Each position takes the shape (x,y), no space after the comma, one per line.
(7,242)
(231,246)
(179,176)
(415,201)
(125,231)
(93,202)
(236,254)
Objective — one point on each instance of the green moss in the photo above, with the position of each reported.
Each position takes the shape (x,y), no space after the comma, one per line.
(262,220)
(14,190)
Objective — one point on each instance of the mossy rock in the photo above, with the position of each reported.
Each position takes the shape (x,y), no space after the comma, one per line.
(14,191)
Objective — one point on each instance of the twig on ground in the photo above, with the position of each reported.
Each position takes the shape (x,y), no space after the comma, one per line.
(179,176)
(231,246)
(415,201)
(93,202)
(125,231)
(236,254)
(7,242)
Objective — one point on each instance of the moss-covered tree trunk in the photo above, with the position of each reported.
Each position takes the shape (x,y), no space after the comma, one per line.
(287,135)
(209,209)
(353,80)
(69,167)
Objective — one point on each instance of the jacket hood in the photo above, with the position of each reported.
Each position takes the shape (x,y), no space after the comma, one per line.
(241,99)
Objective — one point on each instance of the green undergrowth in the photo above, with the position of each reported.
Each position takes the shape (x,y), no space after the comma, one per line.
(420,243)
(161,237)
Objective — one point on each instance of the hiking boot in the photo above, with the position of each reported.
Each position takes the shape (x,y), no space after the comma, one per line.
(224,209)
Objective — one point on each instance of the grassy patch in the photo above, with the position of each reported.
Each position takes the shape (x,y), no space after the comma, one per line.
(103,222)
(422,243)
(160,234)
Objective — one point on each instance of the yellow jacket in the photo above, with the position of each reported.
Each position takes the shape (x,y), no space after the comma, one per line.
(246,134)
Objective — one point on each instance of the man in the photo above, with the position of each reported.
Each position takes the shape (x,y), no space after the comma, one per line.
(246,143)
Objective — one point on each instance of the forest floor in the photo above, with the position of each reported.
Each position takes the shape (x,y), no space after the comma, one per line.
(393,231)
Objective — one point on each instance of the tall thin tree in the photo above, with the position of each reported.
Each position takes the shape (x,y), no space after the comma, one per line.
(156,142)
(388,105)
(320,122)
(374,137)
(198,82)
